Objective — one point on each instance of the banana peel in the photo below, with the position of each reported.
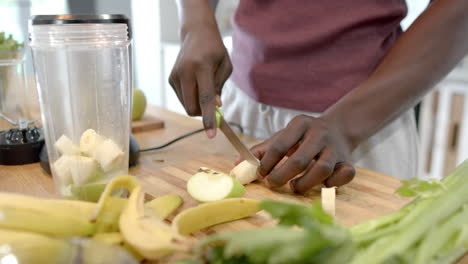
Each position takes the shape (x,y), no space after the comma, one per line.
(162,207)
(213,213)
(51,217)
(28,247)
(150,236)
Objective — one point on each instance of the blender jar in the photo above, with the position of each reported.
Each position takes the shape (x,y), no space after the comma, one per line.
(81,65)
(13,102)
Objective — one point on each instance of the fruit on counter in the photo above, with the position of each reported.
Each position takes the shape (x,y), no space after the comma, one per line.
(115,223)
(245,172)
(213,213)
(108,154)
(108,219)
(26,247)
(328,196)
(163,206)
(430,229)
(89,141)
(139,104)
(111,238)
(150,236)
(208,185)
(51,217)
(65,146)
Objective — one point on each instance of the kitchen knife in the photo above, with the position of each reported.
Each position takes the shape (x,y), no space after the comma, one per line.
(234,139)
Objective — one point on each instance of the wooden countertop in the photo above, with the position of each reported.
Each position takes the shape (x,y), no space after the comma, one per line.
(371,194)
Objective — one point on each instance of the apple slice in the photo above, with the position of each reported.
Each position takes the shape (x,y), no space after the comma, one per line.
(208,185)
(245,172)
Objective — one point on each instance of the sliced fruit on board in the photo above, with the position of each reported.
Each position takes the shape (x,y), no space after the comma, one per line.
(210,214)
(245,172)
(208,185)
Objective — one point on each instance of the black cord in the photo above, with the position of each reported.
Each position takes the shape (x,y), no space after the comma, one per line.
(185,136)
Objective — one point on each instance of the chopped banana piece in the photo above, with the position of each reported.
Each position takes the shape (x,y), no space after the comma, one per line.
(83,169)
(328,200)
(89,141)
(65,146)
(62,171)
(108,154)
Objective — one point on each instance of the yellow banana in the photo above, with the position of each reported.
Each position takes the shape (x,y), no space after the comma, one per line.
(213,213)
(51,217)
(111,238)
(124,182)
(26,247)
(151,237)
(162,207)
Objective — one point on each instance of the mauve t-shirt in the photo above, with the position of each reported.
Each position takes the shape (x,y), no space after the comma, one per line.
(307,54)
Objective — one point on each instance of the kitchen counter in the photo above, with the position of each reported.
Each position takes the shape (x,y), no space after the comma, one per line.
(371,194)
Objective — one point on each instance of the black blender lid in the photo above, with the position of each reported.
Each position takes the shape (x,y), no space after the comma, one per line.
(81,19)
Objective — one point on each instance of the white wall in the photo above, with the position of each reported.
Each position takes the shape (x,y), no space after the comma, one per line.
(147,49)
(415,8)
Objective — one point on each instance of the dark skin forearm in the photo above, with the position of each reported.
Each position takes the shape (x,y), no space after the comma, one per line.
(203,63)
(420,58)
(196,13)
(320,148)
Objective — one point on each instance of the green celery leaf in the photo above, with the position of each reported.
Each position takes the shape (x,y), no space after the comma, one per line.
(424,189)
(290,214)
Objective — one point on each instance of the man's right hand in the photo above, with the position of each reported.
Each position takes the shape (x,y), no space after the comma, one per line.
(199,73)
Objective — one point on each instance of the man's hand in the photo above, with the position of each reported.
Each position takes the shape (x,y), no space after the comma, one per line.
(315,148)
(202,67)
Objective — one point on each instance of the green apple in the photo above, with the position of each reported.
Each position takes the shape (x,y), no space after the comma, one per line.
(139,104)
(208,185)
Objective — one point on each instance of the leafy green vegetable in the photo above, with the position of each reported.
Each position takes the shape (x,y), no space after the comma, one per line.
(290,214)
(8,43)
(305,234)
(433,229)
(429,211)
(424,189)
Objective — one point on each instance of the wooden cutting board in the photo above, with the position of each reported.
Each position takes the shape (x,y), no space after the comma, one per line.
(147,123)
(368,196)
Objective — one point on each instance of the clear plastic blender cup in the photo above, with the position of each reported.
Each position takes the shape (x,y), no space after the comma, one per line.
(81,64)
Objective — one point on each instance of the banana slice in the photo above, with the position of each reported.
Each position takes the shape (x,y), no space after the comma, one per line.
(62,171)
(65,146)
(108,154)
(89,141)
(83,169)
(328,200)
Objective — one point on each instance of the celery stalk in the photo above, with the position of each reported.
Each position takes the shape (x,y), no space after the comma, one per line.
(440,235)
(426,214)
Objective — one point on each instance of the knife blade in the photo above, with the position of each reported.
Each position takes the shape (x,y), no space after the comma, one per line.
(237,143)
